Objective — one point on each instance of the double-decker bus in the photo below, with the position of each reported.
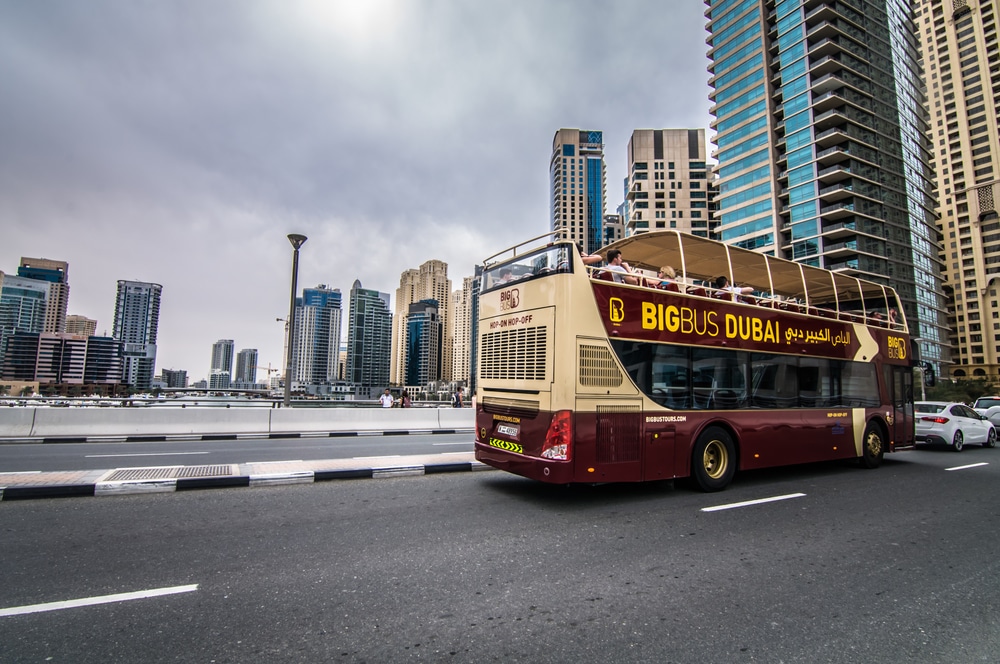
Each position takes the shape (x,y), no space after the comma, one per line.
(582,379)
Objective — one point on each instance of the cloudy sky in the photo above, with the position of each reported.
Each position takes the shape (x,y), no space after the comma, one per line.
(179,142)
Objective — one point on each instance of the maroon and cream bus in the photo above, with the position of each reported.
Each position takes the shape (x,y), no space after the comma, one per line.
(582,378)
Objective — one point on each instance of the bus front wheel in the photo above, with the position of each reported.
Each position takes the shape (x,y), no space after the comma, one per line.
(872,447)
(714,462)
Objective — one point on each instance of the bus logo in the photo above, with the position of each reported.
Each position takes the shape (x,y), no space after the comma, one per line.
(897,348)
(510,299)
(617,310)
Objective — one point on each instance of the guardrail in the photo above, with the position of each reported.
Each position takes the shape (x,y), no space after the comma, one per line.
(114,422)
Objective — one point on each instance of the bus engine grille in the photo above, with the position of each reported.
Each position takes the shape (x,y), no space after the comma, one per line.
(618,434)
(514,354)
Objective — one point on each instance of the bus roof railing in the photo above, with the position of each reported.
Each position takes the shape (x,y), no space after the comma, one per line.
(512,250)
(695,258)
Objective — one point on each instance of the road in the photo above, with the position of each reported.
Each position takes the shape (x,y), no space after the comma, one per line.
(90,456)
(893,565)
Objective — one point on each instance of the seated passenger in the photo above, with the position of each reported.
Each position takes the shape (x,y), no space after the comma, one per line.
(620,270)
(667,276)
(722,283)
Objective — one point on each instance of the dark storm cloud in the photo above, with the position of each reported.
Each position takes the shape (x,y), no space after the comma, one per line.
(178,142)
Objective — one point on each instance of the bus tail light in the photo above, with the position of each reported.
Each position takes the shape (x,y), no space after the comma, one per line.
(559,437)
(935,420)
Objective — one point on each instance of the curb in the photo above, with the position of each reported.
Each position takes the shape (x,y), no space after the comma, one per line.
(227,436)
(128,487)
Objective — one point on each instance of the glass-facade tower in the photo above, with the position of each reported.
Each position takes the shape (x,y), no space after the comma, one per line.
(369,341)
(822,152)
(579,186)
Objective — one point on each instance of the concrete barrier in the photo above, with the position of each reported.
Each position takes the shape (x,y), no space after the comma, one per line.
(16,422)
(82,422)
(456,418)
(290,420)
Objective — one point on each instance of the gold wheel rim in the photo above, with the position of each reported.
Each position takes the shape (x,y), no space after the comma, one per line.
(874,444)
(715,460)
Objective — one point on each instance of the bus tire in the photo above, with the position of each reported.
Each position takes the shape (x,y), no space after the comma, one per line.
(872,446)
(713,463)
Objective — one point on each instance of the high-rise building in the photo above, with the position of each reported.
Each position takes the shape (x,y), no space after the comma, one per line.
(62,359)
(174,378)
(460,323)
(822,150)
(668,182)
(23,304)
(56,273)
(137,318)
(579,186)
(316,337)
(430,282)
(222,357)
(369,341)
(81,325)
(961,64)
(246,368)
(424,333)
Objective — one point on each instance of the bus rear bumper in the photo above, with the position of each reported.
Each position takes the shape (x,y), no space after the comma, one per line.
(543,470)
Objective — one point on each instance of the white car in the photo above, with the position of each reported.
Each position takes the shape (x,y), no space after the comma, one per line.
(990,407)
(954,424)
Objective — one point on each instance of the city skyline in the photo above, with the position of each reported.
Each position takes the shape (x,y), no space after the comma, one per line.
(388,142)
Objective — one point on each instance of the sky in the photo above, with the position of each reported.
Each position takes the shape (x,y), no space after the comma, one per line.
(179,141)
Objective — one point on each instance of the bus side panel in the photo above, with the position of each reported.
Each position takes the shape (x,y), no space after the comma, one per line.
(608,444)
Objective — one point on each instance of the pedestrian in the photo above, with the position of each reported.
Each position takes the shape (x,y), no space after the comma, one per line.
(406,399)
(386,399)
(456,399)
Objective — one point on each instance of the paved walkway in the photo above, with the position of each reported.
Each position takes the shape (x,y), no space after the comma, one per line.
(159,479)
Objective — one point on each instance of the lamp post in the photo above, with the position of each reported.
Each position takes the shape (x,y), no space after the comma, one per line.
(297,241)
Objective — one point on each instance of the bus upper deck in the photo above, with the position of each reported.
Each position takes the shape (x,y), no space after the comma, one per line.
(698,262)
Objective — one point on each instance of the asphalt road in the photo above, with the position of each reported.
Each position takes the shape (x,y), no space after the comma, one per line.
(23,457)
(893,565)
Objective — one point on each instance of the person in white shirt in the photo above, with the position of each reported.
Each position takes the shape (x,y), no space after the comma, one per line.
(619,269)
(386,399)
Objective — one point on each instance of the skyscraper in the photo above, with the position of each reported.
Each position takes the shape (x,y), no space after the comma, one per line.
(369,341)
(23,304)
(222,356)
(822,145)
(460,332)
(579,186)
(424,333)
(81,325)
(137,317)
(430,282)
(668,181)
(246,368)
(316,337)
(958,42)
(56,273)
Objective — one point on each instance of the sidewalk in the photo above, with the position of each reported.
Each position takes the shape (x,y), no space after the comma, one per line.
(163,479)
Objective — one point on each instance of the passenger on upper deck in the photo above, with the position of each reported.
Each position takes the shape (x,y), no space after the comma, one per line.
(722,283)
(506,275)
(619,269)
(588,259)
(667,276)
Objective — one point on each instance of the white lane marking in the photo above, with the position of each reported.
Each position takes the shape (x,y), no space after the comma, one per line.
(145,454)
(971,465)
(454,453)
(748,503)
(387,456)
(22,472)
(260,463)
(91,601)
(439,444)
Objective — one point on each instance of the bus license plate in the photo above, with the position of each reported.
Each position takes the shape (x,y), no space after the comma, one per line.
(508,430)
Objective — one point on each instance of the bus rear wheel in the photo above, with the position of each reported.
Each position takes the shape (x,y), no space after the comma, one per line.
(872,447)
(714,462)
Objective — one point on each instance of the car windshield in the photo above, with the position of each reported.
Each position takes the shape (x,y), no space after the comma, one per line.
(928,407)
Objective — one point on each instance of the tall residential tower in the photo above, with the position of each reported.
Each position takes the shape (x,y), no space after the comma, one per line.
(369,341)
(822,150)
(137,318)
(958,42)
(578,186)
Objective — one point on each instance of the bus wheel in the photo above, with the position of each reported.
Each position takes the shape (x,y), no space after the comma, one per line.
(714,461)
(872,448)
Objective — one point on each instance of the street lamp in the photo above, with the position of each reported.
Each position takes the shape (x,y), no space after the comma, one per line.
(297,241)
